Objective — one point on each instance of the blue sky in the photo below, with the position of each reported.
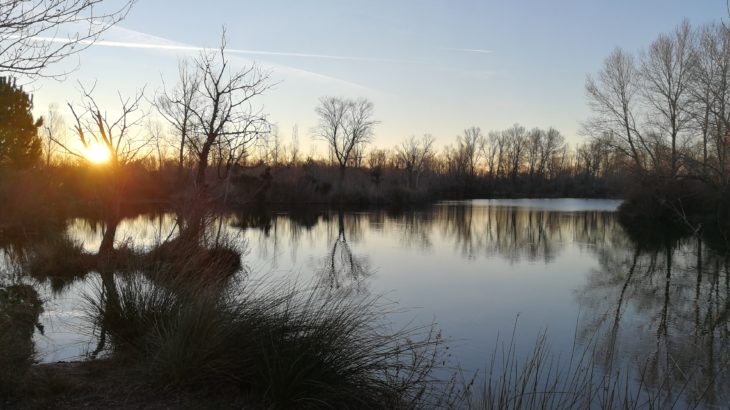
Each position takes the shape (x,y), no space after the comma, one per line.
(420,61)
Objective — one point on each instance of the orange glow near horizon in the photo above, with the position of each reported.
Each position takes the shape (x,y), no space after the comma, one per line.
(97,153)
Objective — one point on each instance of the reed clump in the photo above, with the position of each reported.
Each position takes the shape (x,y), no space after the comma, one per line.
(285,346)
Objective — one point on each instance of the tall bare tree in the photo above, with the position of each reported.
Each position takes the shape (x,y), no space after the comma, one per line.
(35,34)
(177,105)
(347,126)
(469,144)
(613,98)
(666,69)
(516,145)
(710,93)
(534,142)
(494,150)
(212,109)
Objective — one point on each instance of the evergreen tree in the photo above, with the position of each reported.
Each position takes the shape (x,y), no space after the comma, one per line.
(20,145)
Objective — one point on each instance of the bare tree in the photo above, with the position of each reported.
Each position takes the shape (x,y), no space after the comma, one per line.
(670,115)
(559,162)
(177,105)
(493,150)
(346,125)
(212,108)
(54,128)
(516,143)
(414,155)
(666,70)
(551,143)
(710,99)
(331,128)
(156,137)
(591,157)
(612,97)
(469,144)
(377,161)
(115,132)
(534,143)
(35,34)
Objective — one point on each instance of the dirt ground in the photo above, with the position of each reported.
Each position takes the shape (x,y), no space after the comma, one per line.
(96,385)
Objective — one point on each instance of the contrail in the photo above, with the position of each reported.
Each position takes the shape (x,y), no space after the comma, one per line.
(171,46)
(471,50)
(179,47)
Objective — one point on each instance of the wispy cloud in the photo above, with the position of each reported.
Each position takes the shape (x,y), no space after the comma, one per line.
(470,50)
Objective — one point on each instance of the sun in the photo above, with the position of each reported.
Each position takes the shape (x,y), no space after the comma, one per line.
(97,153)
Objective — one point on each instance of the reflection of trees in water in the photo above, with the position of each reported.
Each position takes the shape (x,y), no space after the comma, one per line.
(474,231)
(415,228)
(342,268)
(517,233)
(170,253)
(270,232)
(663,306)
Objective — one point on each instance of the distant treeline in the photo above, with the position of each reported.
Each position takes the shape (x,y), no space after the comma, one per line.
(510,163)
(517,162)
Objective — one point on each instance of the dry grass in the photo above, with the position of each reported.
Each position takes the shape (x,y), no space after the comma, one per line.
(284,345)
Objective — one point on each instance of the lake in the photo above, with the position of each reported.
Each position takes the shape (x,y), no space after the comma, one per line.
(479,269)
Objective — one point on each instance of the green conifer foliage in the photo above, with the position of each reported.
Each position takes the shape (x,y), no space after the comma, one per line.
(20,145)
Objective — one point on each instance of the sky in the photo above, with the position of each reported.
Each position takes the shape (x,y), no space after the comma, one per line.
(429,66)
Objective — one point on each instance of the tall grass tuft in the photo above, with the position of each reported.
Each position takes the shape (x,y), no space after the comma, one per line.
(283,345)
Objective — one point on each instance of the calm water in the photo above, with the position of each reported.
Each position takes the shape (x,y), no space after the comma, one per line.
(478,269)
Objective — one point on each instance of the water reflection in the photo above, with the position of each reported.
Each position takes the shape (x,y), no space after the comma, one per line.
(342,265)
(659,300)
(663,304)
(512,233)
(92,250)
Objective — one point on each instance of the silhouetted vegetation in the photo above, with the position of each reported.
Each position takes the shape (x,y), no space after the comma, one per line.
(28,31)
(20,146)
(663,117)
(286,348)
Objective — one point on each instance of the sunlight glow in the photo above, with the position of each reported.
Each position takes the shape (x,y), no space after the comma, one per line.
(97,153)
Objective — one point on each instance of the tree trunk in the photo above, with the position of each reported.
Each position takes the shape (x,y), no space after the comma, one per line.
(181,159)
(203,163)
(341,184)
